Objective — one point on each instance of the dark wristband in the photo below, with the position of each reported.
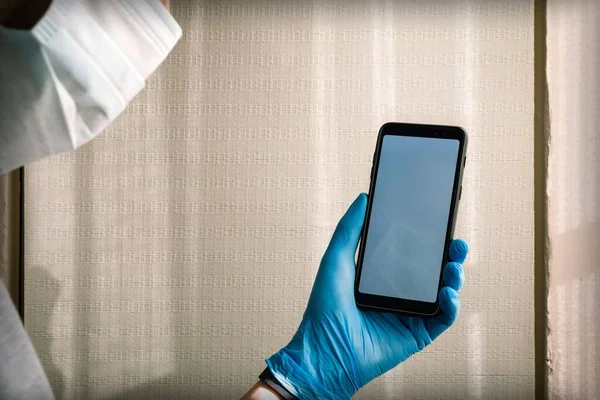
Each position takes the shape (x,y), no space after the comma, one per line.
(269,379)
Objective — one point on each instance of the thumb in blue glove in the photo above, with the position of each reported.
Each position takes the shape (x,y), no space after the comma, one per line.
(339,348)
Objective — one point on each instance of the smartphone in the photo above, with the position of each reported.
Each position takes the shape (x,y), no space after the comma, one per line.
(416,185)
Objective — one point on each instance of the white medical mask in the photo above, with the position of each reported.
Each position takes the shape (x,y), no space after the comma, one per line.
(65,80)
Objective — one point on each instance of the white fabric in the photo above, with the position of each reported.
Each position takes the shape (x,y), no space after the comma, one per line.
(67,79)
(21,373)
(60,85)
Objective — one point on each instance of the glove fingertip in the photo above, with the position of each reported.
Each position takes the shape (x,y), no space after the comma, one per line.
(361,203)
(453,275)
(449,304)
(350,226)
(458,250)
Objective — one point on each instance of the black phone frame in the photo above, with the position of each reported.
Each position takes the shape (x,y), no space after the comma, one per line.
(441,132)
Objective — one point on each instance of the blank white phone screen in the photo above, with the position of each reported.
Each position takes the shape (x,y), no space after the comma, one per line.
(407,230)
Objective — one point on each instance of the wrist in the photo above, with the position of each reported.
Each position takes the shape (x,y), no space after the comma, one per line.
(262,391)
(269,378)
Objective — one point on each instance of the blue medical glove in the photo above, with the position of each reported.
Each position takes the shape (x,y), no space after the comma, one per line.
(339,348)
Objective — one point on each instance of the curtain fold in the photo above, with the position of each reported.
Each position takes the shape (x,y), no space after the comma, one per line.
(573,51)
(170,256)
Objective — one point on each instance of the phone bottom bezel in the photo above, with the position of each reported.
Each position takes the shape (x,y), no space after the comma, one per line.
(369,302)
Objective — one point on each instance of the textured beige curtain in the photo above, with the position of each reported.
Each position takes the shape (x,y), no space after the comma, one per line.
(573,192)
(169,257)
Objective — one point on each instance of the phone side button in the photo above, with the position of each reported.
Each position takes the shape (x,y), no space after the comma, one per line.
(460,193)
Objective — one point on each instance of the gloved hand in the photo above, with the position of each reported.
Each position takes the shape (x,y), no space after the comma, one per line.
(339,348)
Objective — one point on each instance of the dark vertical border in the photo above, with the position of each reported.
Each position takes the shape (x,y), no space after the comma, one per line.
(541,150)
(22,243)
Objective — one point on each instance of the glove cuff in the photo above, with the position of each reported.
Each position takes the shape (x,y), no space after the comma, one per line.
(269,379)
(298,382)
